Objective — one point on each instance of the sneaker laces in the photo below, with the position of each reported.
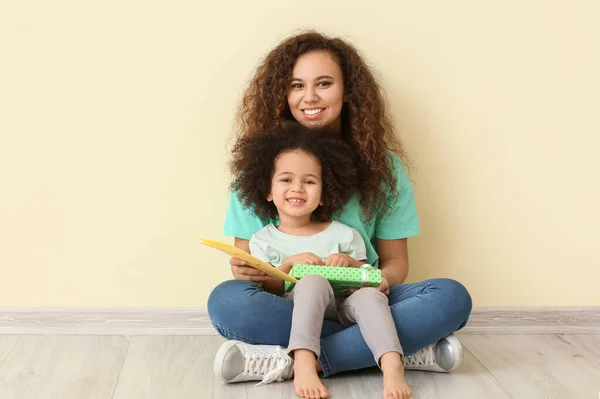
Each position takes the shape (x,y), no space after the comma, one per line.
(422,358)
(272,365)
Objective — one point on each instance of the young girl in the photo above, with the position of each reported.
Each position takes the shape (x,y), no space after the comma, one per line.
(302,177)
(320,81)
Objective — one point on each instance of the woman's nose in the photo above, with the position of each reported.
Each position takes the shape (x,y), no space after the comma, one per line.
(311,95)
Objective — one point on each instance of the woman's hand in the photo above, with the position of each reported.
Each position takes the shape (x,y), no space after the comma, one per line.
(383,287)
(242,272)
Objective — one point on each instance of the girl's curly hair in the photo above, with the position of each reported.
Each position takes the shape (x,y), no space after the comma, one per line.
(253,166)
(366,123)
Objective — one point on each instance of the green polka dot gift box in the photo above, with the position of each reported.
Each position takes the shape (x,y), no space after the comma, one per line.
(341,279)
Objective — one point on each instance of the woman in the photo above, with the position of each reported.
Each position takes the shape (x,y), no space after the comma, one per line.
(323,82)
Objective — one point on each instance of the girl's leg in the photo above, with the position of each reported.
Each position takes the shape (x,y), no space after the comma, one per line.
(369,309)
(313,298)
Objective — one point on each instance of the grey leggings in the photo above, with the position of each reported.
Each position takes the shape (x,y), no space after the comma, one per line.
(314,300)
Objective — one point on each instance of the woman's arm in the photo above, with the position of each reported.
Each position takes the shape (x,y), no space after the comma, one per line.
(238,267)
(393,259)
(240,271)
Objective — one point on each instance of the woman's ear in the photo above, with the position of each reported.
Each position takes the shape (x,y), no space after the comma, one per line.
(269,197)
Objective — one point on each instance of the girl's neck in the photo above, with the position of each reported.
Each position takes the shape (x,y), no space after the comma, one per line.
(301,226)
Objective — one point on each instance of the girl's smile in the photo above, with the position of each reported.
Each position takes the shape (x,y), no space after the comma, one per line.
(296,185)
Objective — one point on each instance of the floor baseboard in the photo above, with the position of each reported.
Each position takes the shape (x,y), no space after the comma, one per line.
(195,321)
(533,320)
(106,321)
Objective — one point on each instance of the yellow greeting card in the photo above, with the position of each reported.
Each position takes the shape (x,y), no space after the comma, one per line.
(256,263)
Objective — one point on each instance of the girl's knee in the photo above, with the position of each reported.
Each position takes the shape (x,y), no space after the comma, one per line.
(369,294)
(314,281)
(313,285)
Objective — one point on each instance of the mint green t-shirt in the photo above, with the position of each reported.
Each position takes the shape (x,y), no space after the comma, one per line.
(398,221)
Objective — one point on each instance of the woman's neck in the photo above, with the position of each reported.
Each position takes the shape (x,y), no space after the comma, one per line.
(301,226)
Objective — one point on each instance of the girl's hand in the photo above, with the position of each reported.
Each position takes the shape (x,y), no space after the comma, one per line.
(340,260)
(242,272)
(305,258)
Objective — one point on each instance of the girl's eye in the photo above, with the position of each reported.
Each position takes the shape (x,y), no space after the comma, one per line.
(296,85)
(286,180)
(309,182)
(324,84)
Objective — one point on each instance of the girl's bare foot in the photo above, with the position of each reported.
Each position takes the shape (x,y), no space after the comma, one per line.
(306,380)
(394,384)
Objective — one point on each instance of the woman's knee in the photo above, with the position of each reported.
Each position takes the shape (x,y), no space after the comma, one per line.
(229,294)
(456,294)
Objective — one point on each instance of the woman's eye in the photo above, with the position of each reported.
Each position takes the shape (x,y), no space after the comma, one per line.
(324,84)
(286,180)
(309,182)
(296,85)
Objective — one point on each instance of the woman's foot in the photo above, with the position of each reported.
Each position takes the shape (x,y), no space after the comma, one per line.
(394,384)
(306,380)
(237,361)
(442,356)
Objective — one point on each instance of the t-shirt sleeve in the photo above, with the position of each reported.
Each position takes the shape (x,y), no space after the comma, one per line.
(399,218)
(257,250)
(241,221)
(356,246)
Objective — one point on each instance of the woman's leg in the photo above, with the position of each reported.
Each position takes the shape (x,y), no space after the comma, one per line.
(243,310)
(423,312)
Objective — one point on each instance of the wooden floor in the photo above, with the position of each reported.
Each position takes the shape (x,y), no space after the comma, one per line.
(179,367)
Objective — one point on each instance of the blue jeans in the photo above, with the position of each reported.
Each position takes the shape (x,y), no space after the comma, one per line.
(423,312)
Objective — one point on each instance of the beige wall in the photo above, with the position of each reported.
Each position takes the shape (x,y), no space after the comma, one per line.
(115,116)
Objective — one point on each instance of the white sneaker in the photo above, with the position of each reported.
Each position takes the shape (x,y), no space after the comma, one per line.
(443,356)
(237,361)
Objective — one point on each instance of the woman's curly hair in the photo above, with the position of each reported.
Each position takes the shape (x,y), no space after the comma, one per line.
(366,123)
(253,166)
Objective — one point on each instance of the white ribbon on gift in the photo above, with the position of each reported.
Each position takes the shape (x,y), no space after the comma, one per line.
(365,274)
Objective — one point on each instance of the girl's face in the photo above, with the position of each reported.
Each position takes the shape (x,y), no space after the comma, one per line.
(296,185)
(316,92)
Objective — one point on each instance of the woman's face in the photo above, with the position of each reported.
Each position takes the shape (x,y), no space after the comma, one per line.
(316,92)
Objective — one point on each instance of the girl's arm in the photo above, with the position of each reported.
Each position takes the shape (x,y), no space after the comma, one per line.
(393,260)
(353,254)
